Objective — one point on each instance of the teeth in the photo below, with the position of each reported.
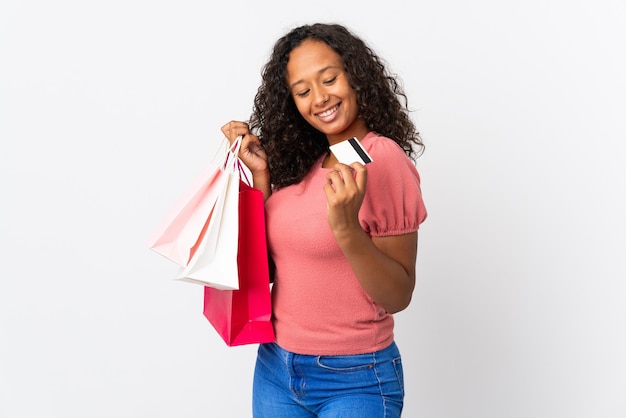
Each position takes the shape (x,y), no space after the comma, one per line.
(328,112)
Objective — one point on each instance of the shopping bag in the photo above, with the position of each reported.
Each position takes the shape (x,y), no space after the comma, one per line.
(178,235)
(243,316)
(215,261)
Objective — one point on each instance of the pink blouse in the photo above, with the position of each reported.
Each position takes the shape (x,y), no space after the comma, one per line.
(319,306)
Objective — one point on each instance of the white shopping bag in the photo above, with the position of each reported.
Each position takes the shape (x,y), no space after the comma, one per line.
(215,262)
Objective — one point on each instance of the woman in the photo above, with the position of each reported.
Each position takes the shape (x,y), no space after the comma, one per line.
(343,238)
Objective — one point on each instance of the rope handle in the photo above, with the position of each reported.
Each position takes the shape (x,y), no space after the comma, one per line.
(232,163)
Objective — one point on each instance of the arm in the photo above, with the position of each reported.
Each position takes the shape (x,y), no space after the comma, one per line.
(385,266)
(261,181)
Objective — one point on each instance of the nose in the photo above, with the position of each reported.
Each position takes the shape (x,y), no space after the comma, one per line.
(321,96)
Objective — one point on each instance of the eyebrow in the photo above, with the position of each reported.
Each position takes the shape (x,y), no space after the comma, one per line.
(294,84)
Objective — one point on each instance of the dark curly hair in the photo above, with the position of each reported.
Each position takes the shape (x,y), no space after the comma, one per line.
(382,103)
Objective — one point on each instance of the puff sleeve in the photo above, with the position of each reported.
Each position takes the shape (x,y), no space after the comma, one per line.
(393,203)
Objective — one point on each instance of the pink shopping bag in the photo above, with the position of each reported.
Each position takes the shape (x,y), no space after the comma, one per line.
(178,235)
(243,316)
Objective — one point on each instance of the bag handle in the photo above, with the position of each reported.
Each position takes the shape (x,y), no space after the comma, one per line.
(232,164)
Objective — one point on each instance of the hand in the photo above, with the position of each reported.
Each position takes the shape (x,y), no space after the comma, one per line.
(251,152)
(345,191)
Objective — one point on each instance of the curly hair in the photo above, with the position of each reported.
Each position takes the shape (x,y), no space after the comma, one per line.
(383,105)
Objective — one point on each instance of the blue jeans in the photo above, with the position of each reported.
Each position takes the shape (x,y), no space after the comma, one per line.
(289,385)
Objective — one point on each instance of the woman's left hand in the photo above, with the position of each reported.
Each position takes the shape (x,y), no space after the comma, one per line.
(345,190)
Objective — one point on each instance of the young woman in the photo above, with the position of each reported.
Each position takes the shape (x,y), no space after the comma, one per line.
(343,238)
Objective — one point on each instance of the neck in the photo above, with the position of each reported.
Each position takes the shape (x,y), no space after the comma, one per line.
(329,160)
(358,130)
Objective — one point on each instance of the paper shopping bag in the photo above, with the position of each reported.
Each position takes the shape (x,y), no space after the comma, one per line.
(178,235)
(215,261)
(243,316)
(181,232)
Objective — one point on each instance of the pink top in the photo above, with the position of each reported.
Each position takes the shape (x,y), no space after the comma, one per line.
(319,306)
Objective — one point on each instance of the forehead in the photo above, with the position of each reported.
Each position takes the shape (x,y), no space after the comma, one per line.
(310,57)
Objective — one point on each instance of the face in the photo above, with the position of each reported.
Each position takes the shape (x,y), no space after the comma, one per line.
(321,90)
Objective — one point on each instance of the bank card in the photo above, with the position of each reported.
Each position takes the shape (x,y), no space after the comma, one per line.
(350,151)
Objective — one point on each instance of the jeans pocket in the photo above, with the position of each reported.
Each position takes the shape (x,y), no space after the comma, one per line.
(346,364)
(397,365)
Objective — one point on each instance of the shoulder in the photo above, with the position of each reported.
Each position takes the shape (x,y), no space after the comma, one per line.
(393,202)
(387,155)
(381,145)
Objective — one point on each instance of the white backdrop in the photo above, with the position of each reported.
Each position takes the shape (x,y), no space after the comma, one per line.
(109,109)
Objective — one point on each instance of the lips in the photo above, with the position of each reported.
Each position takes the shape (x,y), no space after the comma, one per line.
(325,114)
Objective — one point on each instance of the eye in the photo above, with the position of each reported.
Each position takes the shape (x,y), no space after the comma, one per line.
(303,93)
(330,80)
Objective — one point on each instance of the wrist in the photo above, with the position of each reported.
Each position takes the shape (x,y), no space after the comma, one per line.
(261,178)
(350,236)
(261,181)
(261,173)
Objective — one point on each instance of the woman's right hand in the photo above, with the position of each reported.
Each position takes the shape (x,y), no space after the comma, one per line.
(251,153)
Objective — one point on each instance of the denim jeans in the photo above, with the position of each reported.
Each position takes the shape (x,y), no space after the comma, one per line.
(289,385)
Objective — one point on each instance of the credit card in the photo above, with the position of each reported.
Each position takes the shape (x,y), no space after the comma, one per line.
(350,151)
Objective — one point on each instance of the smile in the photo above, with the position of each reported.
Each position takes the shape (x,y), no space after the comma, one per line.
(328,112)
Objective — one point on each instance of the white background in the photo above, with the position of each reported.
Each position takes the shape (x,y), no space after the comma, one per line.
(109,109)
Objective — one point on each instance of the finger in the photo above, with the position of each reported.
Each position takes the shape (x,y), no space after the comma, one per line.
(335,179)
(234,124)
(249,141)
(360,175)
(345,172)
(233,129)
(253,144)
(329,190)
(226,128)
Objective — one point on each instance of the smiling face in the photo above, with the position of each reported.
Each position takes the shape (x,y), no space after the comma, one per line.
(321,90)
